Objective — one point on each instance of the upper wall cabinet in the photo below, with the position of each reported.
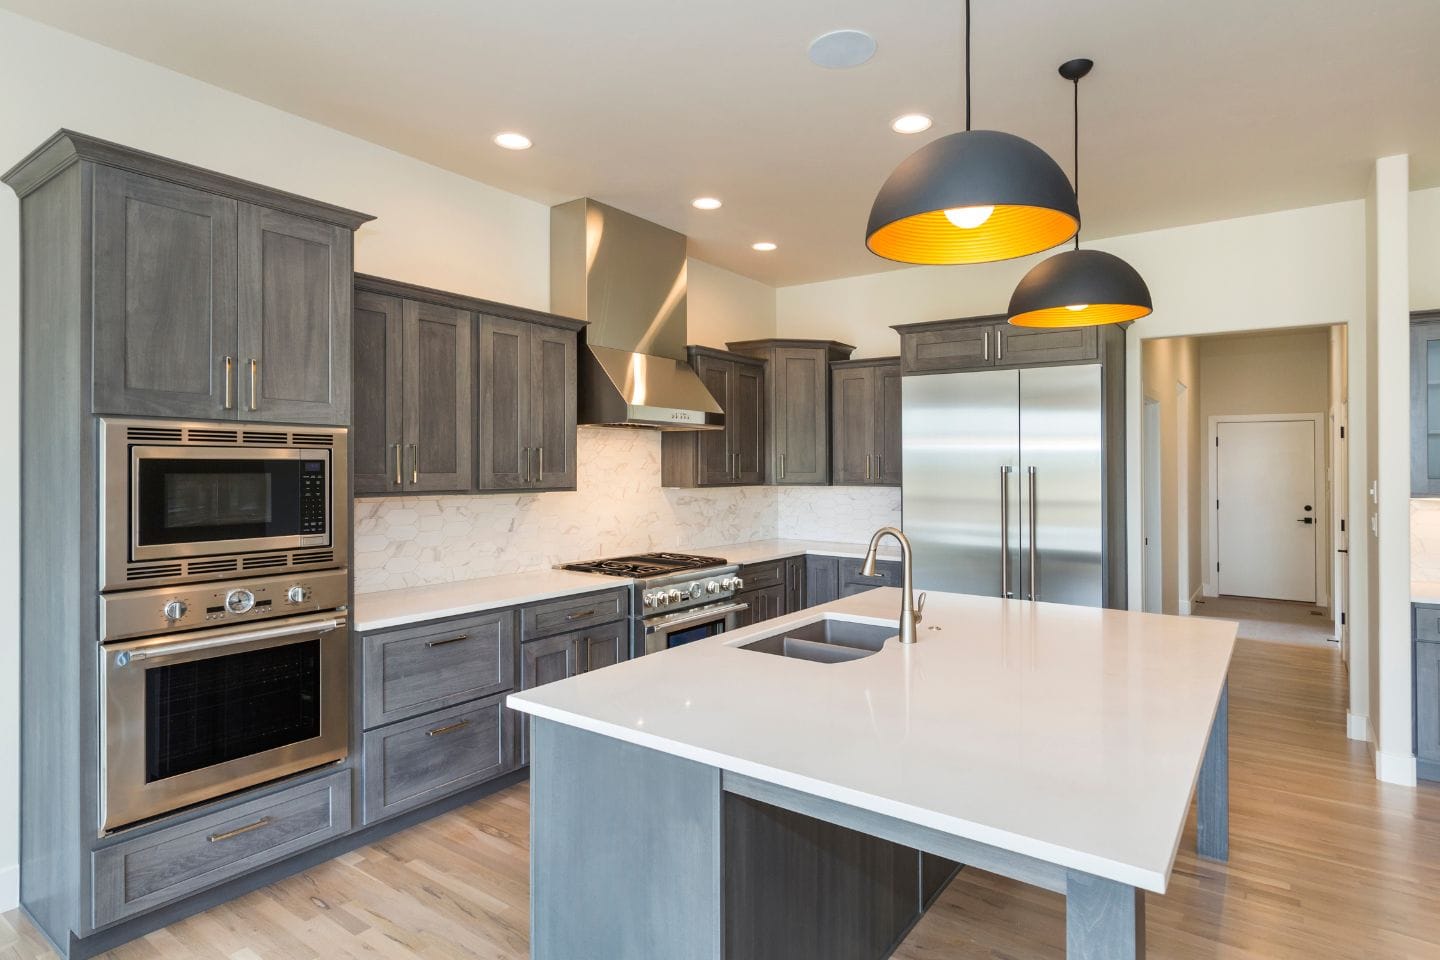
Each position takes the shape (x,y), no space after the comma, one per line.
(735,455)
(865,418)
(210,297)
(797,406)
(528,394)
(948,346)
(1425,404)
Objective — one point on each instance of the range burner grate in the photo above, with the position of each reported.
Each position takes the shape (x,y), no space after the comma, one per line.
(646,564)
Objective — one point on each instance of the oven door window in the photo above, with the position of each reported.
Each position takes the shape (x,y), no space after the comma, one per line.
(201,501)
(698,632)
(209,711)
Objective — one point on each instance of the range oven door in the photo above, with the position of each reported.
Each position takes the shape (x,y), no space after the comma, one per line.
(687,626)
(190,717)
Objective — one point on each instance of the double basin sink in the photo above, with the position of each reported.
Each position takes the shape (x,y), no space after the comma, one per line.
(825,640)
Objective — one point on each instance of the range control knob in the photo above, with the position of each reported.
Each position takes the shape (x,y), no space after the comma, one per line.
(651,600)
(732,583)
(175,609)
(675,596)
(696,590)
(297,594)
(712,586)
(239,600)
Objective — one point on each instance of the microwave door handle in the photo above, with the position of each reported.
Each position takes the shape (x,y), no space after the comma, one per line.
(157,651)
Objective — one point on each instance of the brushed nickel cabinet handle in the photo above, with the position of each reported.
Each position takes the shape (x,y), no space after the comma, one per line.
(999,350)
(254,370)
(448,728)
(441,643)
(1005,532)
(540,465)
(217,837)
(986,341)
(782,466)
(229,383)
(399,469)
(524,464)
(879,467)
(867,466)
(580,615)
(414,464)
(1034,549)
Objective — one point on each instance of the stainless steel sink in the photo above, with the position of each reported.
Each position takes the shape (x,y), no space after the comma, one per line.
(826,640)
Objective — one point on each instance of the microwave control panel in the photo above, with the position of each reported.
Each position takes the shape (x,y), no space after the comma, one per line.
(314,496)
(161,610)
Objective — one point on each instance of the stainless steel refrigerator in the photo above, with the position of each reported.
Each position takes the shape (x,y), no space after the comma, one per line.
(1004,482)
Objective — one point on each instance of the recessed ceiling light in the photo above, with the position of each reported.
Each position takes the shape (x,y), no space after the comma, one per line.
(705,203)
(764,246)
(512,141)
(841,49)
(911,123)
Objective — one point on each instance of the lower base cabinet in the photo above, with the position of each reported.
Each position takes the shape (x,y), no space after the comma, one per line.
(133,876)
(1427,710)
(830,578)
(777,587)
(413,762)
(547,659)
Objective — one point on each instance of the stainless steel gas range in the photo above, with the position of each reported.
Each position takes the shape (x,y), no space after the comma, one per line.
(675,598)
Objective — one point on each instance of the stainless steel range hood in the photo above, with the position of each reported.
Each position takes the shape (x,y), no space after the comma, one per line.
(626,277)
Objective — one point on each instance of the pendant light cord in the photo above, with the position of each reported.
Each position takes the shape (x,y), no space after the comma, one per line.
(967,66)
(1076,82)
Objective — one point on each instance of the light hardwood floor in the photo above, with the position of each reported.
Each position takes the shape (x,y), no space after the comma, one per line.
(1325,863)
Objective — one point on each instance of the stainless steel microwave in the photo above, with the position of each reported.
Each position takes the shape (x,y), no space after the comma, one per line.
(184,502)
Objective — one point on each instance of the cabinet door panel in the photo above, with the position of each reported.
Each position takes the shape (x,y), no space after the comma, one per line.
(747,431)
(375,436)
(887,425)
(853,399)
(822,580)
(295,315)
(1425,408)
(602,646)
(1427,701)
(438,397)
(505,425)
(547,660)
(800,380)
(1021,346)
(165,297)
(948,349)
(716,467)
(552,403)
(795,598)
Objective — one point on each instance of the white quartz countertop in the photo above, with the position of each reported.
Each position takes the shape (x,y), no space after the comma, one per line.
(407,605)
(1070,734)
(1425,591)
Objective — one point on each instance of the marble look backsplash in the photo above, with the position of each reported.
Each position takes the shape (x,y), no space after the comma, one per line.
(1425,540)
(619,507)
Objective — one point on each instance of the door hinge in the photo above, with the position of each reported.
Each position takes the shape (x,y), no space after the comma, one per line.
(1342,619)
(1217,504)
(1217,441)
(1342,526)
(1217,567)
(1342,433)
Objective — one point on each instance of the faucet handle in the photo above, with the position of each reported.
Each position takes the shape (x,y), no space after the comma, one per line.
(920,606)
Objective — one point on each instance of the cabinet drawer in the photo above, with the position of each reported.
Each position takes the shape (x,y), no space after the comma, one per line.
(573,613)
(411,671)
(852,581)
(758,576)
(137,875)
(413,762)
(1427,623)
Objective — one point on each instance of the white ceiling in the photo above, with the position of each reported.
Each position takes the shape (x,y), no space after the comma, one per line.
(1197,109)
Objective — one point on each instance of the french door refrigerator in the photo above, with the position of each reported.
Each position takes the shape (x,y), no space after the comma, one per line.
(1004,483)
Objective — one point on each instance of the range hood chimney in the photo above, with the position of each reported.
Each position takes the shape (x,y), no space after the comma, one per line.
(626,277)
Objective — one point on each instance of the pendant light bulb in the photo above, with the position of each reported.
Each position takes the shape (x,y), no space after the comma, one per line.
(968,218)
(1077,307)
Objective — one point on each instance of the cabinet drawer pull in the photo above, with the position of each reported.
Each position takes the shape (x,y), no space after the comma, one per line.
(580,615)
(879,467)
(540,466)
(254,375)
(986,341)
(999,351)
(229,383)
(414,464)
(782,466)
(867,466)
(441,643)
(448,728)
(399,469)
(217,837)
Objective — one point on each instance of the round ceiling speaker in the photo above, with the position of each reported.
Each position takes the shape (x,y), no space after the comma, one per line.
(841,49)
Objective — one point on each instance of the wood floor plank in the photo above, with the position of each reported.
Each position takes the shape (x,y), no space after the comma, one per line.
(1325,862)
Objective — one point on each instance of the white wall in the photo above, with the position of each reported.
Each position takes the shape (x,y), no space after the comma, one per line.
(1168,364)
(1425,249)
(725,306)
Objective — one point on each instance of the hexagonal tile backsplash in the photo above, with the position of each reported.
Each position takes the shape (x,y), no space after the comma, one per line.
(619,507)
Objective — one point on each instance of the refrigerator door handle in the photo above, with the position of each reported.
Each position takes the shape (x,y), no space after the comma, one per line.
(1034,592)
(1004,529)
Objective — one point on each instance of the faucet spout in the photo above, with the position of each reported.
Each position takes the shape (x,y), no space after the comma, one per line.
(910,613)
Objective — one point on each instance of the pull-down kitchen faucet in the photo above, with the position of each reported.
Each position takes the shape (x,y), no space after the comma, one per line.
(910,612)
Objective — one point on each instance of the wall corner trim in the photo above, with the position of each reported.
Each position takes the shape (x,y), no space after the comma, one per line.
(1357,727)
(1395,768)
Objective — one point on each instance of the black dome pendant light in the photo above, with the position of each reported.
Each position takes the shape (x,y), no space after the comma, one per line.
(972,197)
(1079,288)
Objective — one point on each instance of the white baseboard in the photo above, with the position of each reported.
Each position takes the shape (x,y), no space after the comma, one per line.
(1395,768)
(1209,589)
(9,887)
(1357,727)
(1187,605)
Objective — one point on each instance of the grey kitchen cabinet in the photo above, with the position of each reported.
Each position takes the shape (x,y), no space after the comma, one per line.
(852,581)
(797,406)
(795,595)
(947,346)
(1427,709)
(165,297)
(558,656)
(527,404)
(865,422)
(414,394)
(295,281)
(1425,404)
(822,580)
(765,604)
(734,456)
(414,762)
(420,669)
(209,307)
(568,614)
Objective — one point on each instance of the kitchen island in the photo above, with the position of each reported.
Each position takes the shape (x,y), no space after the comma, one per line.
(719,802)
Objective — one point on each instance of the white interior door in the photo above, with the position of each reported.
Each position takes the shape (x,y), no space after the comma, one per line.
(1268,514)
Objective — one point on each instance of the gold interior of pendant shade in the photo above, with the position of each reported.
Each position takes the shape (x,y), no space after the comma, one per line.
(1011,231)
(1094,315)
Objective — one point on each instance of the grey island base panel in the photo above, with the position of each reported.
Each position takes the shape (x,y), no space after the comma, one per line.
(641,855)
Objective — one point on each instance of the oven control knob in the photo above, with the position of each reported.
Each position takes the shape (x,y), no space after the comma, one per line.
(697,589)
(175,609)
(732,583)
(297,594)
(239,600)
(675,596)
(652,600)
(712,586)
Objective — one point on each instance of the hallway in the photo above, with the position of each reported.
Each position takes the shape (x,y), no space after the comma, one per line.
(1274,621)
